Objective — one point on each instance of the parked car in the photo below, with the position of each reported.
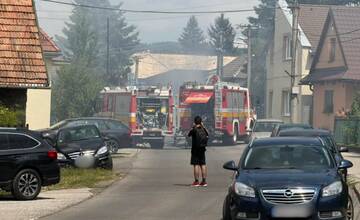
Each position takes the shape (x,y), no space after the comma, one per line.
(263,128)
(27,163)
(281,127)
(287,178)
(118,134)
(82,146)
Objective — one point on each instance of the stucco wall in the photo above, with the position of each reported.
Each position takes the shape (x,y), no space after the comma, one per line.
(324,58)
(278,81)
(326,120)
(38,108)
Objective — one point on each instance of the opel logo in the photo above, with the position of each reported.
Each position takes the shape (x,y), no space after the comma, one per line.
(288,193)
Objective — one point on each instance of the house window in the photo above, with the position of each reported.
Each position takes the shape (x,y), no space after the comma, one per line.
(270,104)
(285,103)
(332,49)
(287,48)
(328,101)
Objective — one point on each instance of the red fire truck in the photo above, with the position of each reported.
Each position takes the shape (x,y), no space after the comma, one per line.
(147,110)
(224,107)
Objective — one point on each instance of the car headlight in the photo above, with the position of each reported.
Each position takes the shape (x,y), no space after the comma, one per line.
(61,156)
(244,190)
(333,189)
(102,150)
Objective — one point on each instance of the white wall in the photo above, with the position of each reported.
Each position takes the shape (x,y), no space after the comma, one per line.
(278,81)
(38,106)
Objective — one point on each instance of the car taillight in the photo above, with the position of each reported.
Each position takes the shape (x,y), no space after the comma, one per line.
(52,154)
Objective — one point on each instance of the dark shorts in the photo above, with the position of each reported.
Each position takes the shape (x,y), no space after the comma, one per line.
(198,159)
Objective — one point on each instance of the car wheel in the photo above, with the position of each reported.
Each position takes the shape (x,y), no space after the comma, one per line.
(226,209)
(112,145)
(26,185)
(350,210)
(157,144)
(109,164)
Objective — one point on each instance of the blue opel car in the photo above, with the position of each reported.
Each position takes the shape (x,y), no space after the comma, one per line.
(287,178)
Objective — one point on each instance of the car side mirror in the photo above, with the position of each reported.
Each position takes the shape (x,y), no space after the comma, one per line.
(230,166)
(345,164)
(343,149)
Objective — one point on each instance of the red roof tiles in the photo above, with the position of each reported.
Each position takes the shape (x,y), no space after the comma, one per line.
(47,44)
(21,59)
(312,19)
(347,23)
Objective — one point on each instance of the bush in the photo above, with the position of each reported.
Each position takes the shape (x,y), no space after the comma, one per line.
(9,118)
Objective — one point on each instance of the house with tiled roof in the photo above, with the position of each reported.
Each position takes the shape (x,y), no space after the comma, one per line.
(335,72)
(280,55)
(53,57)
(24,81)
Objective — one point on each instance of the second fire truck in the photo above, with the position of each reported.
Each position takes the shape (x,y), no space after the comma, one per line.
(224,107)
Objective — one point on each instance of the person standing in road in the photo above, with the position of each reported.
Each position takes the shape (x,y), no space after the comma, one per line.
(200,137)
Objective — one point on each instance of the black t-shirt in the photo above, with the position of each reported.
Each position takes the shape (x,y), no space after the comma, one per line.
(196,148)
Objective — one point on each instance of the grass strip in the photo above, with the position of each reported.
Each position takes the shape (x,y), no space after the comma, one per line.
(73,178)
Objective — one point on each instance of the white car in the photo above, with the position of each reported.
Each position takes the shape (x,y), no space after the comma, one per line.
(263,128)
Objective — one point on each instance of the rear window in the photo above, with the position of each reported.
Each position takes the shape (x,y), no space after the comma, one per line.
(78,134)
(116,125)
(265,126)
(287,157)
(19,141)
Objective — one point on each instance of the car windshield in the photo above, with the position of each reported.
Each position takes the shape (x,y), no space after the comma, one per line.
(58,125)
(287,157)
(295,126)
(77,134)
(265,126)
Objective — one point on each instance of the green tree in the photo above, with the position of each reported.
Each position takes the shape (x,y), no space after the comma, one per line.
(76,90)
(123,39)
(222,27)
(192,38)
(78,83)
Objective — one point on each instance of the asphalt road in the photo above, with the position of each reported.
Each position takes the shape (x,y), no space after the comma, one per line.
(158,187)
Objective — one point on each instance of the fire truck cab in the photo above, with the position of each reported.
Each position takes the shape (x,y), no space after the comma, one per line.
(224,107)
(147,110)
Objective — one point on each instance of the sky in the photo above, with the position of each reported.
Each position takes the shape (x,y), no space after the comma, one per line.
(155,27)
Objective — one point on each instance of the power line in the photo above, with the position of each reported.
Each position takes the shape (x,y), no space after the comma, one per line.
(152,11)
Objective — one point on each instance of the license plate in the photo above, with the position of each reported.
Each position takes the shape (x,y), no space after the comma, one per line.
(292,211)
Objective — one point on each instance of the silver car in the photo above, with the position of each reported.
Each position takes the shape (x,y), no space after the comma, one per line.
(263,128)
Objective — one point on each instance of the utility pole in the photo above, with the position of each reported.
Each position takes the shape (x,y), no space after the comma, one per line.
(107,46)
(249,58)
(220,56)
(137,61)
(295,30)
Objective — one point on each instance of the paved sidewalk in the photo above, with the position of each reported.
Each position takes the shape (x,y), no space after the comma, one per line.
(50,202)
(47,203)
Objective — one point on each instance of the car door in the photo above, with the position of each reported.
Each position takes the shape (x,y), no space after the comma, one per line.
(5,159)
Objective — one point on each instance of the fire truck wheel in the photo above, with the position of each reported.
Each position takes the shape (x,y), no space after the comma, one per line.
(231,140)
(112,145)
(157,144)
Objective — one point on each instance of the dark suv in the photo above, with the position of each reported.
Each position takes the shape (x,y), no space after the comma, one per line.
(27,163)
(117,134)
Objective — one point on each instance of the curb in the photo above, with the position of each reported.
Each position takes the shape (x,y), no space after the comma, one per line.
(357,193)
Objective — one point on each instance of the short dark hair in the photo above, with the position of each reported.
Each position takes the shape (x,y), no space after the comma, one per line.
(197,120)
